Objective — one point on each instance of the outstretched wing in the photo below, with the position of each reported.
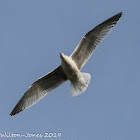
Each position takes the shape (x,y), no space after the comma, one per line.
(39,89)
(89,42)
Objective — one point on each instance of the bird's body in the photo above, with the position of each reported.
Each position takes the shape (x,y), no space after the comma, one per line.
(79,81)
(70,68)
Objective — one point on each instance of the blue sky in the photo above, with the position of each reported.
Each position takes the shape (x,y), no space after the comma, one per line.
(33,33)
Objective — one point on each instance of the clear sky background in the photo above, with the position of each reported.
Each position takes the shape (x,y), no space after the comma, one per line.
(34,32)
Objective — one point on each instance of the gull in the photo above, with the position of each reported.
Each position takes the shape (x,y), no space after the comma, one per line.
(69,68)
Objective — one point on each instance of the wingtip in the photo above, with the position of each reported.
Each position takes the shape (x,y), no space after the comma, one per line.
(12,113)
(119,15)
(114,18)
(15,111)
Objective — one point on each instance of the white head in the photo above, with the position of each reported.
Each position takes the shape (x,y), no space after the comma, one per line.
(64,59)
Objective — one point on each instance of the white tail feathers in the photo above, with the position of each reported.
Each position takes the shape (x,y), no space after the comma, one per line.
(78,88)
(86,77)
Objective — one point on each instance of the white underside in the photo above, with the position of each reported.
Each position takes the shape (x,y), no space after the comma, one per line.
(79,80)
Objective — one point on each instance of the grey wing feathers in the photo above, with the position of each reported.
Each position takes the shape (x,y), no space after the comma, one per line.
(39,89)
(89,42)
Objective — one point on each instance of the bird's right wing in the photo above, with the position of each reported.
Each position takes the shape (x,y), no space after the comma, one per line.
(89,42)
(39,89)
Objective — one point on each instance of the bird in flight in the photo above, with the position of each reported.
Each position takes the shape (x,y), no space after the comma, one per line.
(69,68)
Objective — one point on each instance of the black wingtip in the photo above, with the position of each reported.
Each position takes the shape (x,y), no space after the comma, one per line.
(15,111)
(119,14)
(11,114)
(112,19)
(116,17)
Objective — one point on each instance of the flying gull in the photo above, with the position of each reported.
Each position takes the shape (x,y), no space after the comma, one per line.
(69,69)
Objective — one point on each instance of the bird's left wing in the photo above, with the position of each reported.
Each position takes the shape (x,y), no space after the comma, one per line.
(39,89)
(89,42)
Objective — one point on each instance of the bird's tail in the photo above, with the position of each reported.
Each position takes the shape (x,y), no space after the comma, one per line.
(78,88)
